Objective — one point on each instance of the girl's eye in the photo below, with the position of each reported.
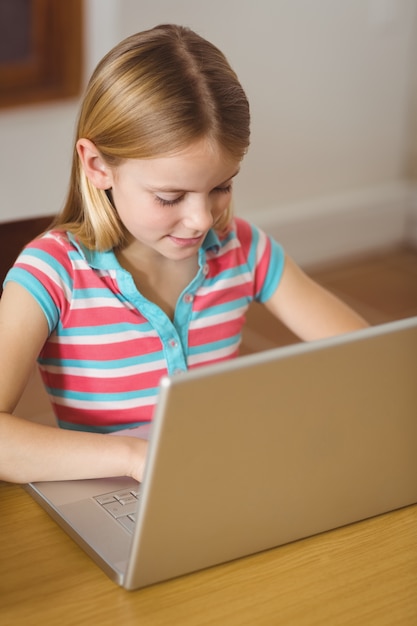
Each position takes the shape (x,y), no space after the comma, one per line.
(226,189)
(165,202)
(174,201)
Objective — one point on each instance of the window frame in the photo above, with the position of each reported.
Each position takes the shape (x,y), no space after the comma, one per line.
(53,68)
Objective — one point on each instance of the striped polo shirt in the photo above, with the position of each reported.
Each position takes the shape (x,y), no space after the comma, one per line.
(109,347)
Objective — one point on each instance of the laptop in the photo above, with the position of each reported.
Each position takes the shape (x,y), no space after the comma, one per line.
(257,452)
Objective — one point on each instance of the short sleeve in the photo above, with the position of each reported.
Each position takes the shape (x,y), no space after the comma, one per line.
(265,259)
(43,269)
(274,273)
(24,278)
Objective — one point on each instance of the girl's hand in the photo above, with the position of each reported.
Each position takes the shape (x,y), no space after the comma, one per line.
(138,461)
(137,441)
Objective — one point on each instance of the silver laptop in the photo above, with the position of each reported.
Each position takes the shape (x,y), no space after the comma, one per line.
(255,453)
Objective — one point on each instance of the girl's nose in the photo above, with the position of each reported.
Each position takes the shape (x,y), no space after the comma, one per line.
(199,214)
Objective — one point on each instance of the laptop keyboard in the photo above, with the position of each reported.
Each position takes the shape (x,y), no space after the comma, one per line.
(121,505)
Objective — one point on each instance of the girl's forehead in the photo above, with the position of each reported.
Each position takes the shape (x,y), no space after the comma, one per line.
(204,148)
(201,161)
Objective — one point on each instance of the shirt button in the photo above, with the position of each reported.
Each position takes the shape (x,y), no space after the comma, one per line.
(173,343)
(188,298)
(206,269)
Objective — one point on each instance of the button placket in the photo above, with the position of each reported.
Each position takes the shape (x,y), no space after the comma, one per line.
(188,298)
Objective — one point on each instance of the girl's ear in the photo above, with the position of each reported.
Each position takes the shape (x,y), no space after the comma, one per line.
(96,170)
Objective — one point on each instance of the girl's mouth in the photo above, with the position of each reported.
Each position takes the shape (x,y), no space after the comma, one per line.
(186,242)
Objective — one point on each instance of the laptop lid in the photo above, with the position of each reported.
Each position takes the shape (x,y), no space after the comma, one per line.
(261,451)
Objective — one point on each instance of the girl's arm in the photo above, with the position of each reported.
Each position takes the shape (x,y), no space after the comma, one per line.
(30,451)
(308,309)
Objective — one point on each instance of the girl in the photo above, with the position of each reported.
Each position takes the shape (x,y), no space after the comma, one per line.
(145,272)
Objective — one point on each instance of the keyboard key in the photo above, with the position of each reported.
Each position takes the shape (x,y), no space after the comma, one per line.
(118,510)
(106,498)
(122,505)
(127,522)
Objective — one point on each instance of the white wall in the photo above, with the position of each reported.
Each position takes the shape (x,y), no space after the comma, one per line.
(330,86)
(412,128)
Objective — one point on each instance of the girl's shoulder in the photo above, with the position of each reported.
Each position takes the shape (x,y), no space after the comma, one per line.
(244,233)
(243,228)
(53,240)
(54,250)
(54,244)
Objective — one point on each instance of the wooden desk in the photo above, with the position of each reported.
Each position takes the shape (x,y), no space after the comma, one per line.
(363,574)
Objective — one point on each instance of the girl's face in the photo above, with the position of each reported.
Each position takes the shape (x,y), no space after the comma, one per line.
(168,204)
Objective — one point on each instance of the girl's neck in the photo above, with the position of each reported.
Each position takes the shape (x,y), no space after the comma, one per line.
(157,278)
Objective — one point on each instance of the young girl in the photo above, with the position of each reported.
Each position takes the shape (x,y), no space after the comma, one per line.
(145,272)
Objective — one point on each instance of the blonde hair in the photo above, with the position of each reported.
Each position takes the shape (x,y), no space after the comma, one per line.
(152,95)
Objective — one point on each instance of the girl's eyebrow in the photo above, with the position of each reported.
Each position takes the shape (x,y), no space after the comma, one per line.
(175,190)
(230,178)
